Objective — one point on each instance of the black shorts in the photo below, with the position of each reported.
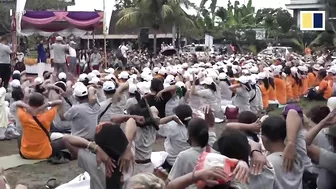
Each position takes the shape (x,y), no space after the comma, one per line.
(56,145)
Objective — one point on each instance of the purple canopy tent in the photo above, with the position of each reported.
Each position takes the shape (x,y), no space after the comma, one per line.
(46,23)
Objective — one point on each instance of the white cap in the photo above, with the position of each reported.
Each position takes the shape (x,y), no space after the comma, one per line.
(332,70)
(15,83)
(108,77)
(254,70)
(123,75)
(294,70)
(62,75)
(245,72)
(184,65)
(110,70)
(180,84)
(38,81)
(162,71)
(222,76)
(16,72)
(96,72)
(80,90)
(72,43)
(109,86)
(94,80)
(59,38)
(331,103)
(316,67)
(207,81)
(82,77)
(262,75)
(132,88)
(243,79)
(144,87)
(169,79)
(76,84)
(156,69)
(91,75)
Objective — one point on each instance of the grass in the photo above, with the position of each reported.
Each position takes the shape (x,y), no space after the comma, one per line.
(304,103)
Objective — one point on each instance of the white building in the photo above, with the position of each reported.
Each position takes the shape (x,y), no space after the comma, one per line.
(314,5)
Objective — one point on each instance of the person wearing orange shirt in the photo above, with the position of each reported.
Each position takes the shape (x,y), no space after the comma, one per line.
(35,140)
(324,90)
(311,76)
(289,84)
(302,74)
(264,87)
(280,85)
(272,89)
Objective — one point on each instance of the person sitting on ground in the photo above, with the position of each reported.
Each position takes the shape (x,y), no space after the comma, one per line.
(104,150)
(36,119)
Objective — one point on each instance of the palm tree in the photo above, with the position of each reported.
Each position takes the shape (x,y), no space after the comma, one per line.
(153,14)
(213,6)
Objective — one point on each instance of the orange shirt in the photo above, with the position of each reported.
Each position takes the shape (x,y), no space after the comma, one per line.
(289,91)
(326,89)
(34,143)
(304,87)
(264,94)
(311,80)
(271,93)
(281,92)
(295,88)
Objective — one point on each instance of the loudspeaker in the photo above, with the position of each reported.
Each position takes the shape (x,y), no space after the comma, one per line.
(144,35)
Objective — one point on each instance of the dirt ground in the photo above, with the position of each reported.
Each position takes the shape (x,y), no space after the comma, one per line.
(37,175)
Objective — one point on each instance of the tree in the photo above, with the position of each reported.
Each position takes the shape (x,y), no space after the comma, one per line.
(5,22)
(46,5)
(153,14)
(284,19)
(213,6)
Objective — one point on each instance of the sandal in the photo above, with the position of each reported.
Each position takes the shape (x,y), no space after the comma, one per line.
(51,184)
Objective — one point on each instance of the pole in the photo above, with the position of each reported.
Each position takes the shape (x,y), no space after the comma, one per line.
(105,33)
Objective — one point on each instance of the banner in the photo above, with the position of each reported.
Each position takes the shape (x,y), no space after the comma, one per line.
(208,40)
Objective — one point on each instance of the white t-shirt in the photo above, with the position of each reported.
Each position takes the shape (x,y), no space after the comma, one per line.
(72,52)
(124,50)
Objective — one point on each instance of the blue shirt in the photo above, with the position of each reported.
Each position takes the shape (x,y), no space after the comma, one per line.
(41,54)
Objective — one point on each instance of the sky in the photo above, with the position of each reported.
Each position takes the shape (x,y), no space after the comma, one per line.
(90,5)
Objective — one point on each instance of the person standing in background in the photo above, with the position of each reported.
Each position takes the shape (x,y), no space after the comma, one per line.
(73,59)
(5,62)
(60,50)
(41,58)
(95,59)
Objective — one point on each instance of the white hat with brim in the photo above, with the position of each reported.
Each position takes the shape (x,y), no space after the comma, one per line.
(80,91)
(15,83)
(207,81)
(109,86)
(94,80)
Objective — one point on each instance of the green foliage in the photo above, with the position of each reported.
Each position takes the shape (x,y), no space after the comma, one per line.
(46,5)
(5,22)
(155,14)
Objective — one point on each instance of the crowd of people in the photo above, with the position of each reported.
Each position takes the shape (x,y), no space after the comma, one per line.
(109,120)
